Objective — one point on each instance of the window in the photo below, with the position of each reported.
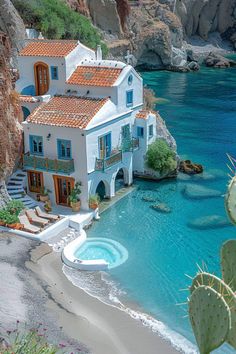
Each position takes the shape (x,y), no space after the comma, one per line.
(54,72)
(36,144)
(35,181)
(140,132)
(129,98)
(150,131)
(130,79)
(104,144)
(64,149)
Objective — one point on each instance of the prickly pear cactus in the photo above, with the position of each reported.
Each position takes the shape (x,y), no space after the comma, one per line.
(228,263)
(230,200)
(210,318)
(229,296)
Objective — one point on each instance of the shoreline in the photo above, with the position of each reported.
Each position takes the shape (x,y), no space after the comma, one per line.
(102,328)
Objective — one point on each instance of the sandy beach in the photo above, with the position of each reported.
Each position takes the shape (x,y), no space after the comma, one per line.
(34,289)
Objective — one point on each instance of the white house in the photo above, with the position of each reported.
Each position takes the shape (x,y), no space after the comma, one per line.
(83,119)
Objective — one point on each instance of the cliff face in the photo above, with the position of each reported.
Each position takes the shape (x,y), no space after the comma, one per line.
(12,24)
(157,30)
(10,114)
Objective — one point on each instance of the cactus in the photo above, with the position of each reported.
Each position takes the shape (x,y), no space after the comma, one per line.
(228,263)
(210,318)
(226,292)
(230,200)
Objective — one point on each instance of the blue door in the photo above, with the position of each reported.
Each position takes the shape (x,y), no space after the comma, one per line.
(105,146)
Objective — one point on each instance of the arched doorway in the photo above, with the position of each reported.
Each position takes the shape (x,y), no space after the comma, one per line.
(26,112)
(41,75)
(101,190)
(120,179)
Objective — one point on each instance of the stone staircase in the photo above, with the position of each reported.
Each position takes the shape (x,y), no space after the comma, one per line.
(16,189)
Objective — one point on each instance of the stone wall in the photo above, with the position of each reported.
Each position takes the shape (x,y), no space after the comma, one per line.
(10,113)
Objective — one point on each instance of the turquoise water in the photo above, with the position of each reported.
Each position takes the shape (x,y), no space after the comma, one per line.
(200,112)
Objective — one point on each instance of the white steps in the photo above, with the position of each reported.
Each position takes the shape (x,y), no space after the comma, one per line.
(15,188)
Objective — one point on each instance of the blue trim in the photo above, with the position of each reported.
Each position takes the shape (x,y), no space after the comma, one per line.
(34,148)
(64,155)
(28,91)
(129,98)
(107,143)
(54,72)
(25,111)
(140,132)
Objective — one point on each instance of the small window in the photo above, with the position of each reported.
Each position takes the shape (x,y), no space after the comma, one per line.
(54,72)
(140,132)
(150,131)
(129,98)
(130,79)
(64,149)
(36,145)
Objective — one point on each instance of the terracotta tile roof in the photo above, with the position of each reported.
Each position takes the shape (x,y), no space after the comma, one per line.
(94,76)
(29,99)
(143,114)
(71,112)
(50,48)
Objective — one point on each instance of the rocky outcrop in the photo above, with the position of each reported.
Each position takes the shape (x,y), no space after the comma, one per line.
(190,168)
(12,24)
(10,114)
(218,61)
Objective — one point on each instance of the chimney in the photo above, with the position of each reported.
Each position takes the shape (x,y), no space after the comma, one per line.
(99,52)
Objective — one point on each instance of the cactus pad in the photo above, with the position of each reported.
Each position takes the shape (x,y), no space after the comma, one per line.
(228,263)
(230,200)
(210,318)
(229,296)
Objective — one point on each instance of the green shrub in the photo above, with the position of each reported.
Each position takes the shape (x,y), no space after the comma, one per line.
(160,157)
(56,20)
(15,207)
(7,217)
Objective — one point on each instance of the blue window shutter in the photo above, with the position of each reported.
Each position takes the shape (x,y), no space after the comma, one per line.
(108,145)
(150,130)
(140,132)
(36,145)
(64,149)
(54,72)
(129,98)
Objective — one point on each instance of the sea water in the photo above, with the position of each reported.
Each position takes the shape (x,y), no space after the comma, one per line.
(200,111)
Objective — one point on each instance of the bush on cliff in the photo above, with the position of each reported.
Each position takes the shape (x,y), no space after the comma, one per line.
(160,157)
(56,20)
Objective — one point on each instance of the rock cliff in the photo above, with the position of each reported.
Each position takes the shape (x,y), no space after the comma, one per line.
(158,30)
(10,113)
(12,24)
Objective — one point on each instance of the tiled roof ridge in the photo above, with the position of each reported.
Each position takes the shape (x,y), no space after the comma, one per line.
(81,97)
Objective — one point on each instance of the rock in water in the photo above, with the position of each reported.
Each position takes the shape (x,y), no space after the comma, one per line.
(195,191)
(218,61)
(190,168)
(209,222)
(162,208)
(148,199)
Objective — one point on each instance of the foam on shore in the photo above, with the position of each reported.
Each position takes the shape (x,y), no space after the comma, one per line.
(100,286)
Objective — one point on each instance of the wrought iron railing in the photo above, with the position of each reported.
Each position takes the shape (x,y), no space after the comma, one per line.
(103,164)
(46,164)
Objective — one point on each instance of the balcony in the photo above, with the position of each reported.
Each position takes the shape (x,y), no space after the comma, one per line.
(104,164)
(44,164)
(130,144)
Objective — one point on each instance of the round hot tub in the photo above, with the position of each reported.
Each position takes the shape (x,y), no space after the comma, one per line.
(112,252)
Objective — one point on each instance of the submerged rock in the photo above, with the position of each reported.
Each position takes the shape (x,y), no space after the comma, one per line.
(195,191)
(190,168)
(209,222)
(148,199)
(162,208)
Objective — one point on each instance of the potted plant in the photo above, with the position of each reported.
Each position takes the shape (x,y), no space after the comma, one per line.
(47,206)
(15,207)
(94,201)
(44,194)
(12,221)
(74,197)
(2,217)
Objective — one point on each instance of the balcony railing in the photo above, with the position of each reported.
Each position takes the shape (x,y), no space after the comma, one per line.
(130,144)
(50,165)
(103,164)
